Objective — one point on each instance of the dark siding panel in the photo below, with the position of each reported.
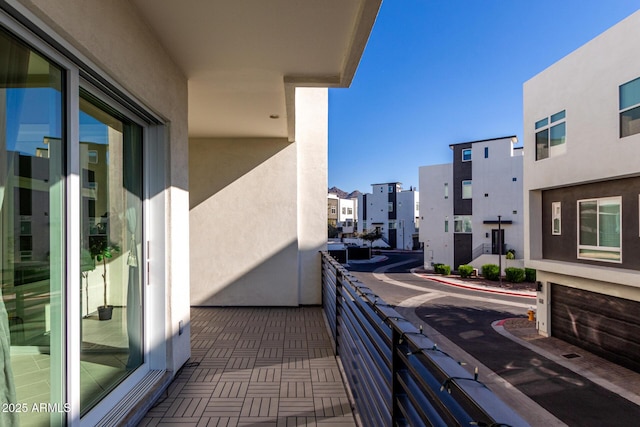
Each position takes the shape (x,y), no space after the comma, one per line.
(393,238)
(602,324)
(462,249)
(461,171)
(392,199)
(565,246)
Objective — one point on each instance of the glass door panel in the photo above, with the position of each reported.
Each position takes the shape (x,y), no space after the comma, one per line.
(111,230)
(32,248)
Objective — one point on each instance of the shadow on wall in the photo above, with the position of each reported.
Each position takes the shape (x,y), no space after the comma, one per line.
(249,279)
(215,163)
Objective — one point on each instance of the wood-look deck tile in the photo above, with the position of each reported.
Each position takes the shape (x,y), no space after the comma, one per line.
(218,422)
(228,389)
(260,407)
(256,366)
(296,407)
(296,389)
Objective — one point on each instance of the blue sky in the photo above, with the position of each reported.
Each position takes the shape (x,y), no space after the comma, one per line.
(437,72)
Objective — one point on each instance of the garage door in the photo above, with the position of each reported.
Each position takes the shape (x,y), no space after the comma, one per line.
(602,324)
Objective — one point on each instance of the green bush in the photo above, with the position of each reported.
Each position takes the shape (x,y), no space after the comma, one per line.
(514,274)
(530,275)
(465,270)
(442,269)
(491,271)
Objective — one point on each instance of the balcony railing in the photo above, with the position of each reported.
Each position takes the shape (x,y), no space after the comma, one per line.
(397,375)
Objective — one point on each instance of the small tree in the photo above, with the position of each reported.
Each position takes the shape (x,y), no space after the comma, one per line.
(371,236)
(101,251)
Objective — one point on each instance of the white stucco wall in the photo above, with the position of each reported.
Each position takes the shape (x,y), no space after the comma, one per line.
(244,248)
(312,140)
(585,84)
(258,213)
(434,211)
(494,177)
(115,42)
(406,218)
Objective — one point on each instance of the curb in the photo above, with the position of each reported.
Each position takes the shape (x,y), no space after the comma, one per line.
(525,294)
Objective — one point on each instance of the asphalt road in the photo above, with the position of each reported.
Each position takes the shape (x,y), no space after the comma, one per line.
(465,318)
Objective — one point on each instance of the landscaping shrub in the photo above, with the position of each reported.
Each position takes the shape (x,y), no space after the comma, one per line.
(465,270)
(530,275)
(491,271)
(514,274)
(442,269)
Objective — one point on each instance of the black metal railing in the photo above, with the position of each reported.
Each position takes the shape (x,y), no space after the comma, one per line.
(397,375)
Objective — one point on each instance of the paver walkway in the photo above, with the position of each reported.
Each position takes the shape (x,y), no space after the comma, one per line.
(256,366)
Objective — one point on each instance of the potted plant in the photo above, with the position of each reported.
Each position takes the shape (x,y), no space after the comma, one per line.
(101,250)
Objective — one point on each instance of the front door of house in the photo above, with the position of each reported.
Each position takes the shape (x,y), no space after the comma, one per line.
(497,239)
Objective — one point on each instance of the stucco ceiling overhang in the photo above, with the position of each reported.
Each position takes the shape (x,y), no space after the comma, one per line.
(244,58)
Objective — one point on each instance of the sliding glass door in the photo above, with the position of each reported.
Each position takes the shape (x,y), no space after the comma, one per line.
(111,230)
(32,169)
(69,331)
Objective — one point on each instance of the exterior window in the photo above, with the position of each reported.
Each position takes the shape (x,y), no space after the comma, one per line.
(462,224)
(599,229)
(556,218)
(446,190)
(417,206)
(333,210)
(514,179)
(551,136)
(630,108)
(446,225)
(466,189)
(486,152)
(344,211)
(390,206)
(466,154)
(392,225)
(391,189)
(349,211)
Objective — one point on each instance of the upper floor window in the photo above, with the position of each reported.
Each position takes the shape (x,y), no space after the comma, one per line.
(390,206)
(630,108)
(391,189)
(466,154)
(446,190)
(466,189)
(486,152)
(551,135)
(599,229)
(349,211)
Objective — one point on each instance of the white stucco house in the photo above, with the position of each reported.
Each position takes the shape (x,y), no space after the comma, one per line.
(582,193)
(393,211)
(470,206)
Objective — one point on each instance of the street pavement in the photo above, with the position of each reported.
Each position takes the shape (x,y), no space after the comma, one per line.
(546,380)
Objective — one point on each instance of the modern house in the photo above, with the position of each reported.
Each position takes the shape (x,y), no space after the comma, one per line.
(582,194)
(471,207)
(393,212)
(342,214)
(135,135)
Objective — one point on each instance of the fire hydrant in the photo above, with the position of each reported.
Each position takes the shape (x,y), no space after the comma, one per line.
(532,314)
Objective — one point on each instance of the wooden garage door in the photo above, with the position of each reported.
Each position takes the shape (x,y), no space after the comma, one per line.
(602,324)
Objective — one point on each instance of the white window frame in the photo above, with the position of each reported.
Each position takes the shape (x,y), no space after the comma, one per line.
(597,247)
(627,108)
(556,214)
(470,185)
(549,124)
(466,150)
(462,219)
